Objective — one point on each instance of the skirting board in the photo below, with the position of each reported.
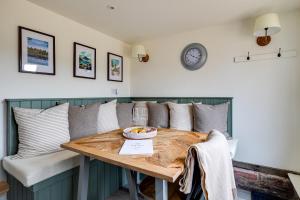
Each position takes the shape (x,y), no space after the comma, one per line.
(267,180)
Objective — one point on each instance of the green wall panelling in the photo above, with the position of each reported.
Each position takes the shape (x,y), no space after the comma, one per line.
(84,102)
(93,182)
(19,193)
(12,136)
(45,104)
(36,104)
(64,186)
(25,104)
(78,102)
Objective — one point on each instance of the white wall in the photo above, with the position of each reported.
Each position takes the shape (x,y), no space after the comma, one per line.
(266,93)
(20,85)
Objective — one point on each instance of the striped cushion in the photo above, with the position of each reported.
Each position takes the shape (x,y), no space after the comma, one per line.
(107,117)
(140,113)
(41,131)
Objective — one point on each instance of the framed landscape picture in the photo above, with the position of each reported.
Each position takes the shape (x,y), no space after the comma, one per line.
(36,52)
(84,61)
(114,67)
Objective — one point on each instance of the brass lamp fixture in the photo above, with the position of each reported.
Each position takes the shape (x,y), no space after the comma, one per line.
(265,26)
(139,52)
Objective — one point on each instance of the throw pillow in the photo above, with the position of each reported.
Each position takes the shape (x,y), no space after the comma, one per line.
(124,114)
(181,116)
(83,120)
(209,117)
(41,131)
(107,117)
(140,113)
(158,115)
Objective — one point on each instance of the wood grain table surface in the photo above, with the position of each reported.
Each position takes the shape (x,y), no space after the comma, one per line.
(170,149)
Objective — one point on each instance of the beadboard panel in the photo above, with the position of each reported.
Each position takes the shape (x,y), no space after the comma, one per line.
(103,181)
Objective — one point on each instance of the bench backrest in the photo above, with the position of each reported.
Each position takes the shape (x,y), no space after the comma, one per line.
(12,131)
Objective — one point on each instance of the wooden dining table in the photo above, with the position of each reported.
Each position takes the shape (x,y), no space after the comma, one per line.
(166,164)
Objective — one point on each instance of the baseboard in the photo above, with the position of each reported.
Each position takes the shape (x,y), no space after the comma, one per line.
(262,180)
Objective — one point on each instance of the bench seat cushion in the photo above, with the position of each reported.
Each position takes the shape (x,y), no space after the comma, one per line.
(30,171)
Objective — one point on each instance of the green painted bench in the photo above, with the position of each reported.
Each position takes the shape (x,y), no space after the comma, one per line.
(105,179)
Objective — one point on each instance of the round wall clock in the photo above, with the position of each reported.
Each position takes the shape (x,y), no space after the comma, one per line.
(193,56)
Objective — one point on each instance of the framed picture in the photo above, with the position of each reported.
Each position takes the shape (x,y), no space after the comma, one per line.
(114,67)
(36,52)
(84,61)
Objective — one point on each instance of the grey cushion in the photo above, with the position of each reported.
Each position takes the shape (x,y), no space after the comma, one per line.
(158,115)
(208,117)
(124,114)
(83,120)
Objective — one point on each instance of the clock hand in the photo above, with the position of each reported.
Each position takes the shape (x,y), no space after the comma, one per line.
(194,56)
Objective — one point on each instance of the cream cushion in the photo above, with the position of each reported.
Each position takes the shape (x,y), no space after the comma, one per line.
(181,116)
(107,117)
(30,171)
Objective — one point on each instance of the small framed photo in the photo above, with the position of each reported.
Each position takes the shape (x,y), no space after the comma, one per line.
(36,52)
(114,67)
(84,61)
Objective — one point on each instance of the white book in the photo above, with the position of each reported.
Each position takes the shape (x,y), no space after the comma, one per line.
(137,147)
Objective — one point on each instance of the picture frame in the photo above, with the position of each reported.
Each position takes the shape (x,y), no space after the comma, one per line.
(36,52)
(84,61)
(114,67)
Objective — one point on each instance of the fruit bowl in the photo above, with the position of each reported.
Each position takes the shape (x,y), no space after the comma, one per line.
(140,132)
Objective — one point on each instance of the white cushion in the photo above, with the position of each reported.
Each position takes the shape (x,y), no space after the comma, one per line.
(30,171)
(233,143)
(181,116)
(107,117)
(41,131)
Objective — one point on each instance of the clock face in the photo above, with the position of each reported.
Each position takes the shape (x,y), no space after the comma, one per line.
(193,56)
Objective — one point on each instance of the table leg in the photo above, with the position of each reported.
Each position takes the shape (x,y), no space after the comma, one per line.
(161,189)
(83,181)
(131,177)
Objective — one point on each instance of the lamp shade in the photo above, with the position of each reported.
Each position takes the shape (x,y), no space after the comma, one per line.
(138,50)
(270,21)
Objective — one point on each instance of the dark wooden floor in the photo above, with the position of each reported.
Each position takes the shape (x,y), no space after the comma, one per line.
(260,196)
(123,195)
(243,195)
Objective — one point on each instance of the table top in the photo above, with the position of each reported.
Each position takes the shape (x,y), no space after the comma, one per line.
(170,149)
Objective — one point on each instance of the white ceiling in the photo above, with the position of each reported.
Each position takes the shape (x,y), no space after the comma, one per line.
(136,20)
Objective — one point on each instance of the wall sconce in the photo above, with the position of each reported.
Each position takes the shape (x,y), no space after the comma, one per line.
(265,26)
(139,52)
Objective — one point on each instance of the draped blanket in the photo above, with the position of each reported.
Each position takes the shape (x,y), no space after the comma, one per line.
(213,159)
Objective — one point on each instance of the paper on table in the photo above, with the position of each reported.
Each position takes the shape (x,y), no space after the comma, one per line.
(137,147)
